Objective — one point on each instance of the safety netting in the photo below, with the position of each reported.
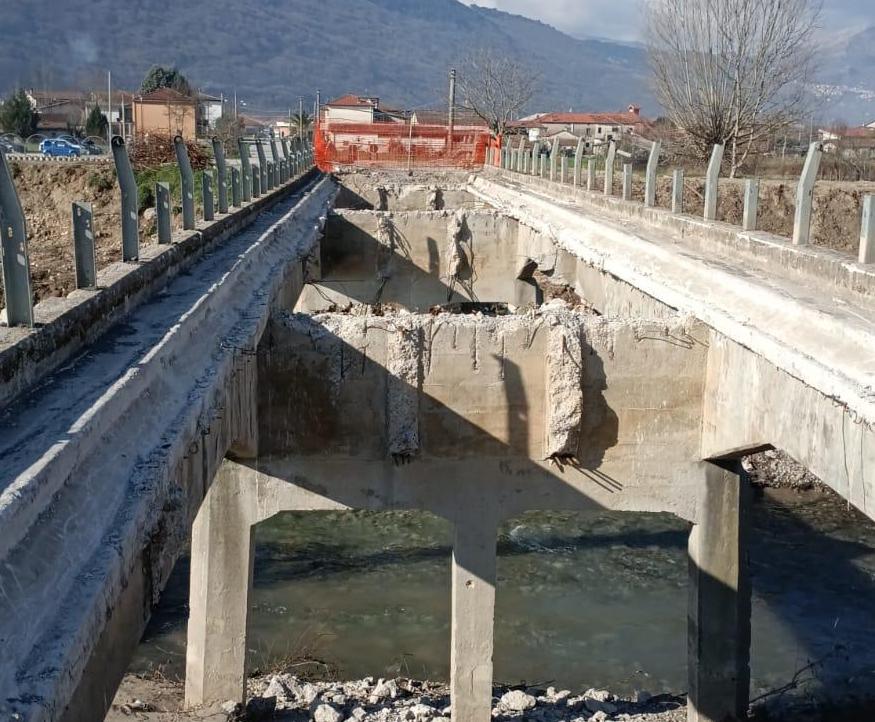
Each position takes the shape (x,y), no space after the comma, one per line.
(403,145)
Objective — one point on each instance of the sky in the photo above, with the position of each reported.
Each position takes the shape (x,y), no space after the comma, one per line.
(619,19)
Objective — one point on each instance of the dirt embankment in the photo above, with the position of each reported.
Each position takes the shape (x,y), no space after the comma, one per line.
(47,192)
(835,220)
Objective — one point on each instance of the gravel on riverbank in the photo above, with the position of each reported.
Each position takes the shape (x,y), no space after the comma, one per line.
(287,697)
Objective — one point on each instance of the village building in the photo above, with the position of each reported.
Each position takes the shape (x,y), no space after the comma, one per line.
(167,112)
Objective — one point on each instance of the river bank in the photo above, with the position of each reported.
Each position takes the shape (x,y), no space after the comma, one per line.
(287,697)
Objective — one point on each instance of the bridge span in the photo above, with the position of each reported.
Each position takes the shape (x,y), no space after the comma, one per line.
(339,348)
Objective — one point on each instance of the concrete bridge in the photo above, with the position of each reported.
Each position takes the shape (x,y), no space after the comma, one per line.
(236,376)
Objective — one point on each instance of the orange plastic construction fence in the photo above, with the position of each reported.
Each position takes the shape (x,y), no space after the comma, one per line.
(401,145)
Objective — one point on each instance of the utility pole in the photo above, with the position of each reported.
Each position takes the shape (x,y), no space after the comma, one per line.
(451,119)
(316,117)
(123,129)
(235,105)
(300,116)
(109,107)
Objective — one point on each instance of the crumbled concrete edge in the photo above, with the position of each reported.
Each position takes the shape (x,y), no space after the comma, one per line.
(404,364)
(564,369)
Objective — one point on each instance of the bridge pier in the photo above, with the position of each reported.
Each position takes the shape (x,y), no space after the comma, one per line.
(222,555)
(718,662)
(473,616)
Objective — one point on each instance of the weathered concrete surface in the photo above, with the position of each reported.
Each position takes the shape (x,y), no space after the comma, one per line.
(418,259)
(484,410)
(802,373)
(397,191)
(106,463)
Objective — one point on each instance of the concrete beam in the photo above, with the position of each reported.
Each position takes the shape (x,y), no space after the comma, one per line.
(718,664)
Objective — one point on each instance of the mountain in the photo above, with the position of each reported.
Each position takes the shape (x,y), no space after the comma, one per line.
(272,51)
(845,77)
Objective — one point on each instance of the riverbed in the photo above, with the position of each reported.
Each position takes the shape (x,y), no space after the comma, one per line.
(583,600)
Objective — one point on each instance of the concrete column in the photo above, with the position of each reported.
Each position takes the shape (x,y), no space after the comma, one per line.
(473,612)
(590,174)
(867,231)
(751,204)
(609,168)
(627,182)
(805,195)
(650,182)
(677,191)
(221,575)
(712,179)
(718,661)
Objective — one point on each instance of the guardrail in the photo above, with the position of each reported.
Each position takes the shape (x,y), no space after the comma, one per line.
(532,162)
(40,158)
(14,256)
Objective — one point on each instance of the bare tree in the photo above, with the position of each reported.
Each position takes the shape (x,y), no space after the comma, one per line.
(731,71)
(495,87)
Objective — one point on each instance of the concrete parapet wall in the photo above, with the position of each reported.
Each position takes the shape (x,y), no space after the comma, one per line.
(65,325)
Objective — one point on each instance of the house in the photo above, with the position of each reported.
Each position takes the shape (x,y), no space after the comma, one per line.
(596,128)
(849,142)
(357,109)
(66,110)
(462,119)
(165,111)
(209,112)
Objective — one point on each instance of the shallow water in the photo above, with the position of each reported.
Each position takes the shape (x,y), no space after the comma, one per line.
(582,600)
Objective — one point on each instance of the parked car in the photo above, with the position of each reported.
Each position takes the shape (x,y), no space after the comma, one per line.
(89,147)
(58,148)
(6,146)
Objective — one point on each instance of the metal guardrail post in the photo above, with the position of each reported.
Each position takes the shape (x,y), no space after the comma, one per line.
(130,201)
(590,174)
(677,191)
(13,252)
(712,180)
(245,170)
(83,246)
(207,185)
(751,204)
(650,180)
(805,195)
(163,212)
(256,181)
(262,164)
(609,168)
(187,177)
(578,162)
(222,178)
(627,181)
(867,231)
(235,187)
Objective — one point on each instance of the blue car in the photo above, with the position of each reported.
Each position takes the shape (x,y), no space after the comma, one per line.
(60,148)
